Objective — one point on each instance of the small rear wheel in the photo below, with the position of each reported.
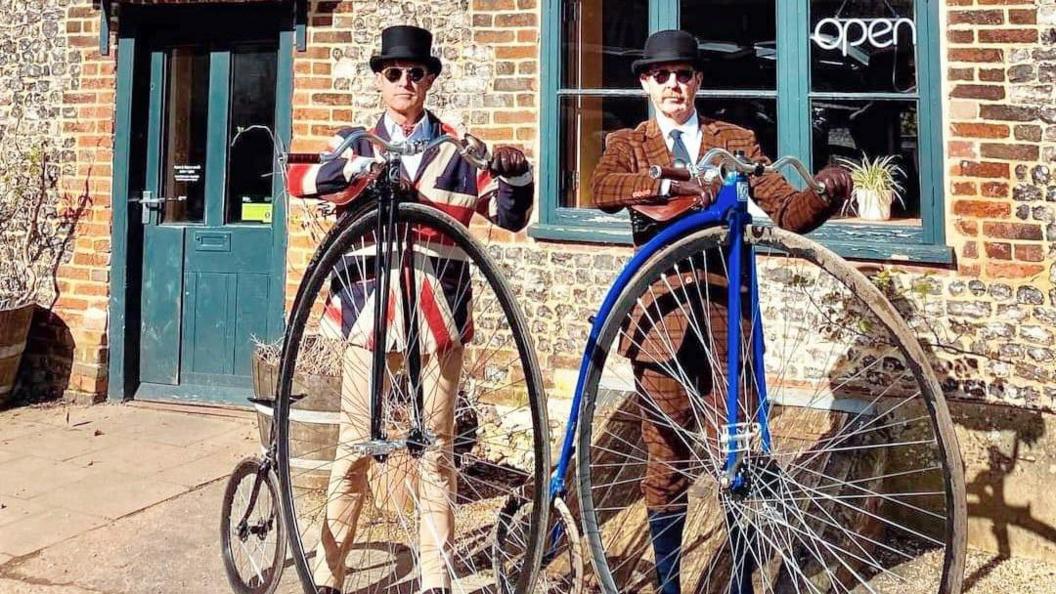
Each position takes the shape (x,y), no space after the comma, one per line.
(254,543)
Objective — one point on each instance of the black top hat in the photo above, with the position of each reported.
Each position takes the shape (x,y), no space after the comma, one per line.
(668,46)
(406,42)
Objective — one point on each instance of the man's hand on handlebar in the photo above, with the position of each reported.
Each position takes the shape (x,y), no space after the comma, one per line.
(692,188)
(508,162)
(838,184)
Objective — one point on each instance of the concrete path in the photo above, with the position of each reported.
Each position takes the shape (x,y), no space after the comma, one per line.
(125,499)
(115,498)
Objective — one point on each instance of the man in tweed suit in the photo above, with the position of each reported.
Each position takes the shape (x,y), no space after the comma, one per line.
(656,339)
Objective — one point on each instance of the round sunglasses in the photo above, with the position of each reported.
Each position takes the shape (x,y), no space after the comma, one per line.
(661,75)
(395,73)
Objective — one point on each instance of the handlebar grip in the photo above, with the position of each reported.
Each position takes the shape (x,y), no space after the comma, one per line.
(309,158)
(671,173)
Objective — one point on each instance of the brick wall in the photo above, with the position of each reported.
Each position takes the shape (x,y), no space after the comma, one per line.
(54,83)
(994,310)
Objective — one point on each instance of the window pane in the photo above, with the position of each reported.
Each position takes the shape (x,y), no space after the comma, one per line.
(737,41)
(187,101)
(849,129)
(249,163)
(757,115)
(599,40)
(861,46)
(584,123)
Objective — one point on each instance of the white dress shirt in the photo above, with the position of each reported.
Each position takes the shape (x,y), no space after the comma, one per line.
(691,137)
(420,132)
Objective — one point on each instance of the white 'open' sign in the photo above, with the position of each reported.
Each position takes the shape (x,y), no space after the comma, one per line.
(843,34)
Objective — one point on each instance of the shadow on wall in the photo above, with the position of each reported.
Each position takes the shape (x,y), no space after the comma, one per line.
(1009,457)
(1008,483)
(47,363)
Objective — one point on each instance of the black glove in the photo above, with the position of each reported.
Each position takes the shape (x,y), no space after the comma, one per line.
(508,162)
(838,184)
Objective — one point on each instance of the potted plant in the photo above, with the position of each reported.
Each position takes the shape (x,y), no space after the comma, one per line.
(876,186)
(36,230)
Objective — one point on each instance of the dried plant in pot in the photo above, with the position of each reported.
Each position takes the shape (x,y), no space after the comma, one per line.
(876,186)
(37,224)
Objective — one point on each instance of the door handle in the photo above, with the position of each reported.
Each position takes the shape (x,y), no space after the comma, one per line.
(151,202)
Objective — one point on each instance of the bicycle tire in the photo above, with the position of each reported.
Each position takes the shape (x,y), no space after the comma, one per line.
(871,570)
(340,241)
(267,578)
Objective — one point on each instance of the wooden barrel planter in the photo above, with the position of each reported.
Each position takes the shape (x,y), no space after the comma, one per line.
(313,420)
(314,428)
(14,328)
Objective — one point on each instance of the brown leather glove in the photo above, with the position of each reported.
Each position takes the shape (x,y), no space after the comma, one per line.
(508,162)
(838,184)
(691,188)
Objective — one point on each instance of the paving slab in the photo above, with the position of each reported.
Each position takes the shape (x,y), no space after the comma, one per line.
(137,458)
(13,509)
(16,587)
(59,443)
(30,476)
(110,494)
(43,529)
(206,469)
(172,548)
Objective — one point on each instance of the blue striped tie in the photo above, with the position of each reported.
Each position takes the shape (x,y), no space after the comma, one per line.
(679,150)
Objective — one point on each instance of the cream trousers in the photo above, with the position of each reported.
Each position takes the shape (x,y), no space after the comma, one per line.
(401,484)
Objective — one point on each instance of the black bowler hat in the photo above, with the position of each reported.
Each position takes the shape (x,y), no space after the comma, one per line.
(668,46)
(406,42)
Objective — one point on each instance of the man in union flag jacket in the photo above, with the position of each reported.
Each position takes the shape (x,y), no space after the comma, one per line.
(404,72)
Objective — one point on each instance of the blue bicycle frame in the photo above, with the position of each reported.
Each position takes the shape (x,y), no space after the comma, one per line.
(731,209)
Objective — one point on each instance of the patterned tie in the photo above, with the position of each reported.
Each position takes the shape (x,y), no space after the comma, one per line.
(679,151)
(408,129)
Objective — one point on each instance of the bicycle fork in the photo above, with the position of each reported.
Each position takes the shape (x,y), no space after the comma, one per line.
(387,239)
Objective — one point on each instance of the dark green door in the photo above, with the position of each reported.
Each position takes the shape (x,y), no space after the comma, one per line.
(211,267)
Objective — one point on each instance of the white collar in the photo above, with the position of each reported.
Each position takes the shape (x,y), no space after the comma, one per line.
(396,131)
(689,129)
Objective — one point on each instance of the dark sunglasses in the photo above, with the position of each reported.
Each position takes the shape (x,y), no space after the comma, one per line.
(661,75)
(395,73)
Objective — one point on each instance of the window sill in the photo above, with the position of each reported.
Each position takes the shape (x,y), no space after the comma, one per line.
(887,241)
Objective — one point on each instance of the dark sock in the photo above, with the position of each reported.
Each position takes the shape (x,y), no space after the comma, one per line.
(666,529)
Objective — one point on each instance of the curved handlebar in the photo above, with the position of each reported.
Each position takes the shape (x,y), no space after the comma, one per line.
(718,159)
(471,148)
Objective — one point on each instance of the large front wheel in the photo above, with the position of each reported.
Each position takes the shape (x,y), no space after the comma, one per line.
(847,476)
(414,509)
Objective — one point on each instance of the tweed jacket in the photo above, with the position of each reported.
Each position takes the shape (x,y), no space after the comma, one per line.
(656,330)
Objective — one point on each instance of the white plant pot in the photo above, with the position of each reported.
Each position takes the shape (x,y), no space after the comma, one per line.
(872,206)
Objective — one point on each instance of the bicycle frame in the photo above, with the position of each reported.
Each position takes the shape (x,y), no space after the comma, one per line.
(385,236)
(730,208)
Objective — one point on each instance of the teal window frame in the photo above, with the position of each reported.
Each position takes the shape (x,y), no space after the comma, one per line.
(924,243)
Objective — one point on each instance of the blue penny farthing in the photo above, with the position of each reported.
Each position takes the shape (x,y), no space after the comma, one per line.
(828,464)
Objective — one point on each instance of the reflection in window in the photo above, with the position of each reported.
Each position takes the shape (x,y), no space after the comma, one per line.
(737,41)
(599,41)
(757,115)
(584,123)
(863,46)
(250,158)
(187,107)
(848,129)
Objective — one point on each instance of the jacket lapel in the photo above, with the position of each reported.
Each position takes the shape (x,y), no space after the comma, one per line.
(709,136)
(656,152)
(433,127)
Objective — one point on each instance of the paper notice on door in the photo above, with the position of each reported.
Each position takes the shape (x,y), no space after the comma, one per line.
(187,173)
(256,212)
